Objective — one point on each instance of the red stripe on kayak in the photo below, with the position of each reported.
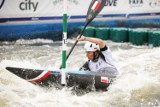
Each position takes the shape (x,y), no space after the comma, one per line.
(41,78)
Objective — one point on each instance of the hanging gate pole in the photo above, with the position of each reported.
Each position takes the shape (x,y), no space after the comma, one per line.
(63,74)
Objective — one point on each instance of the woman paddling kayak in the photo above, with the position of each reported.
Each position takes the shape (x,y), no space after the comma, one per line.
(99,56)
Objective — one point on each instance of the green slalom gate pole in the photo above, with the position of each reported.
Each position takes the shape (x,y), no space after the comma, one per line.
(63,74)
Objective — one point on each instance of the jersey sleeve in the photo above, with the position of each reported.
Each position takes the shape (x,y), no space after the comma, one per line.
(104,49)
(108,55)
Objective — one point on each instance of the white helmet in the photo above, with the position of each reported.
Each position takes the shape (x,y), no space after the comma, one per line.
(89,46)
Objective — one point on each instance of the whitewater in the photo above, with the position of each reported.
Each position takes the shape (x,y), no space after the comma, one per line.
(138,84)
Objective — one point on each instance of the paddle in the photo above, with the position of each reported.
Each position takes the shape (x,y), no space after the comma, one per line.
(95,7)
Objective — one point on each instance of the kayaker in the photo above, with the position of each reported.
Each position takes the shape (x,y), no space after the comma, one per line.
(99,56)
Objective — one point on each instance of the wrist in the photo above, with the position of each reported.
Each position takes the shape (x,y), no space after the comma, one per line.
(85,38)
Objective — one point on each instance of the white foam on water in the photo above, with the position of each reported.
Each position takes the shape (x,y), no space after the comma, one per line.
(137,85)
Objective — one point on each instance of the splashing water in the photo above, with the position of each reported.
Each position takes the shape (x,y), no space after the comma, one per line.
(138,84)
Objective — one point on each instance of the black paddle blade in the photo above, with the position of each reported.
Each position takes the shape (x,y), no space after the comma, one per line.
(95,7)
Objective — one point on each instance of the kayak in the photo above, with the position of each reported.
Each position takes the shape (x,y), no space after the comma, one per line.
(74,78)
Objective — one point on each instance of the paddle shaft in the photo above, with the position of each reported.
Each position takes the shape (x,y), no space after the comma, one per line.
(76,42)
(95,6)
(69,53)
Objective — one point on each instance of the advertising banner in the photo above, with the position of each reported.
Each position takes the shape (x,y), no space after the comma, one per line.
(54,8)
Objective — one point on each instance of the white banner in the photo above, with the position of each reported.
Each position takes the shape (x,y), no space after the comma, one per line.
(53,8)
(131,6)
(41,8)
